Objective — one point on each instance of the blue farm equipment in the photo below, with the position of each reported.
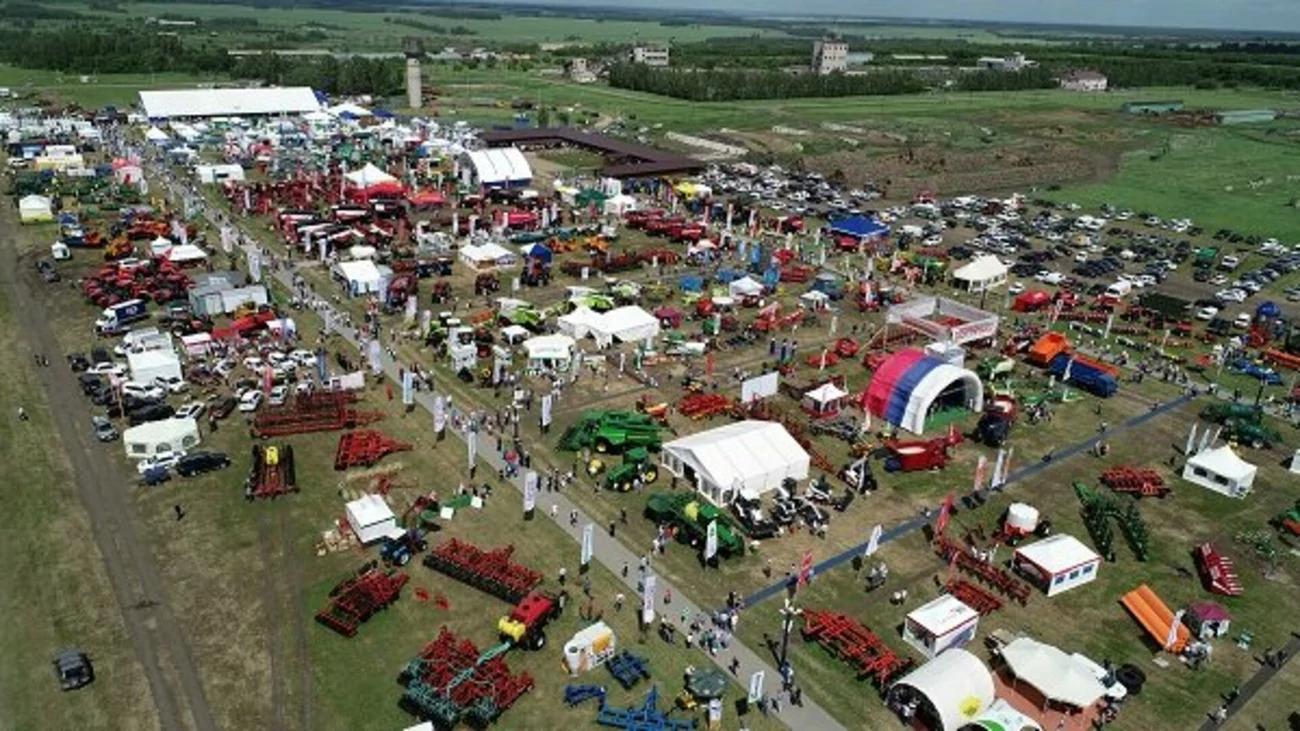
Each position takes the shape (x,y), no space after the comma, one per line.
(575,694)
(399,551)
(1098,379)
(628,669)
(648,717)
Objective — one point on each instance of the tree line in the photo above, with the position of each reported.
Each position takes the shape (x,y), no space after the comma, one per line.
(731,85)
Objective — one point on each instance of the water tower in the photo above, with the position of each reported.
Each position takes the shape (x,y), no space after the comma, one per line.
(414,51)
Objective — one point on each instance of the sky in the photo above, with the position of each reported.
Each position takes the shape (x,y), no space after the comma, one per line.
(1270,15)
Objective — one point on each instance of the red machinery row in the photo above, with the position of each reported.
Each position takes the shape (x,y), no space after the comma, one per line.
(358,598)
(450,681)
(1140,481)
(306,413)
(851,641)
(991,574)
(365,447)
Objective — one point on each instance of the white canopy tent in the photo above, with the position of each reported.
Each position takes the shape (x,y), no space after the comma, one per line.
(155,437)
(824,399)
(368,176)
(747,458)
(35,209)
(625,324)
(504,166)
(1055,674)
(982,273)
(210,174)
(1057,563)
(550,351)
(746,286)
(371,519)
(349,108)
(579,323)
(956,686)
(362,276)
(1221,470)
(150,364)
(488,255)
(619,205)
(153,134)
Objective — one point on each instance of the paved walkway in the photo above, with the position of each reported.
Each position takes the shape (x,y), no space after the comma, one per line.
(910,526)
(1255,684)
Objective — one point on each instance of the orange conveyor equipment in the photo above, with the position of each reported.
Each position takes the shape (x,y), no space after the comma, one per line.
(1155,617)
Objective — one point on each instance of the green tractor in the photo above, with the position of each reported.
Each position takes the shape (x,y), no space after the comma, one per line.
(612,432)
(1221,413)
(1255,434)
(636,463)
(691,518)
(1289,520)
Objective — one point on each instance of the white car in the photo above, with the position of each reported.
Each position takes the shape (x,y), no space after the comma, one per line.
(278,396)
(1219,280)
(250,401)
(166,460)
(192,410)
(304,358)
(1242,322)
(1047,277)
(1081,257)
(1230,295)
(1207,313)
(254,363)
(108,369)
(142,390)
(171,384)
(1115,690)
(1015,288)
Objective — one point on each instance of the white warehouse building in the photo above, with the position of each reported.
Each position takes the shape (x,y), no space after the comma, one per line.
(747,458)
(500,167)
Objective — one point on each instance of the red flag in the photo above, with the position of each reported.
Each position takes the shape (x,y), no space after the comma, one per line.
(941,524)
(805,570)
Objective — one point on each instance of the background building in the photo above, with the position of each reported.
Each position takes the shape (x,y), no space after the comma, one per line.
(650,55)
(829,56)
(1083,81)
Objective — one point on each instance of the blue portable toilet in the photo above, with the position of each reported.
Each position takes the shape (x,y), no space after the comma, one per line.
(691,283)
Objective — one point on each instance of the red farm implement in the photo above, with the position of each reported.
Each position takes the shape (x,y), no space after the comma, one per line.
(991,574)
(272,473)
(492,572)
(703,405)
(360,597)
(666,257)
(1217,572)
(451,682)
(365,447)
(914,455)
(321,411)
(1140,481)
(973,596)
(853,643)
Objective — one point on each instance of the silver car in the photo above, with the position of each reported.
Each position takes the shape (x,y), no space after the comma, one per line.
(104,430)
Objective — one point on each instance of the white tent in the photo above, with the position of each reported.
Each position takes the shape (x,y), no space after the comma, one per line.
(619,205)
(1057,563)
(35,209)
(166,435)
(1222,471)
(196,345)
(1055,674)
(150,364)
(748,457)
(982,273)
(156,135)
(487,256)
(824,399)
(368,176)
(362,276)
(745,287)
(626,324)
(550,351)
(1295,462)
(505,166)
(209,174)
(956,685)
(371,519)
(579,323)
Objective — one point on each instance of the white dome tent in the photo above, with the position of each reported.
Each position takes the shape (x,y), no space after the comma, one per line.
(954,689)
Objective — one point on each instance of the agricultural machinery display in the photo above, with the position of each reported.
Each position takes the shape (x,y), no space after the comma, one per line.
(272,473)
(1095,377)
(995,423)
(853,643)
(1256,434)
(988,572)
(306,413)
(359,597)
(691,517)
(636,464)
(1098,509)
(646,717)
(1216,570)
(1289,520)
(365,447)
(1019,522)
(915,455)
(611,432)
(1137,481)
(400,550)
(451,682)
(1222,411)
(751,518)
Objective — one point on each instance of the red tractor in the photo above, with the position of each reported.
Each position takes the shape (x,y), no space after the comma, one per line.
(526,624)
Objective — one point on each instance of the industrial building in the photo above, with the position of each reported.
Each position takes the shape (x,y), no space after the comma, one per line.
(829,56)
(624,159)
(650,55)
(1083,80)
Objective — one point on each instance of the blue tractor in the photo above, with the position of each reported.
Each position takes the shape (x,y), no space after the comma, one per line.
(398,551)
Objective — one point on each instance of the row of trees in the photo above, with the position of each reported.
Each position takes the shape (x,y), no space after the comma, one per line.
(81,51)
(725,85)
(355,75)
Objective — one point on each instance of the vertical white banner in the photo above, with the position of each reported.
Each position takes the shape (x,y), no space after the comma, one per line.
(530,491)
(439,414)
(408,388)
(711,540)
(471,446)
(374,353)
(648,599)
(873,543)
(1191,441)
(255,266)
(756,687)
(998,467)
(588,536)
(412,305)
(547,400)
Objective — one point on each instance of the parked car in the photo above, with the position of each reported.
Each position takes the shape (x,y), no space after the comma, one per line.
(1207,313)
(171,384)
(200,462)
(48,271)
(104,430)
(191,410)
(165,460)
(145,414)
(250,401)
(108,369)
(142,390)
(219,407)
(278,396)
(78,362)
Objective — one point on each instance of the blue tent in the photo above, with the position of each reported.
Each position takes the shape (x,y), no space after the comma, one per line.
(539,251)
(860,227)
(382,113)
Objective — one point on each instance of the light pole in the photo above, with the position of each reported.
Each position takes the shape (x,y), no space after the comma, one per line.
(788,614)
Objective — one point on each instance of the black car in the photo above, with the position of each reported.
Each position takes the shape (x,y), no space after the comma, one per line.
(48,270)
(90,383)
(78,362)
(196,463)
(153,412)
(221,407)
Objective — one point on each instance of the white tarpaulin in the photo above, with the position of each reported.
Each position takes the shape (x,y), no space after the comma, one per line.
(752,457)
(362,276)
(488,255)
(958,686)
(745,287)
(982,273)
(1055,674)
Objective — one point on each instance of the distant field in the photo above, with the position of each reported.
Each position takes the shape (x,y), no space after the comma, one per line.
(95,91)
(370,31)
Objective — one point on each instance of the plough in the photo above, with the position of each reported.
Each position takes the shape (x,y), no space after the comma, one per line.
(973,596)
(855,644)
(358,598)
(365,447)
(991,574)
(1217,572)
(703,405)
(628,669)
(1140,481)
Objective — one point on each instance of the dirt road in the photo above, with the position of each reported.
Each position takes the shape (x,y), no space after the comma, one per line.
(155,633)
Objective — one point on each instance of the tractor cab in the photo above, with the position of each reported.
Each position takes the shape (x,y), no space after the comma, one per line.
(636,464)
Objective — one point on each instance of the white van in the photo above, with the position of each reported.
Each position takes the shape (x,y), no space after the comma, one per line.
(1119,290)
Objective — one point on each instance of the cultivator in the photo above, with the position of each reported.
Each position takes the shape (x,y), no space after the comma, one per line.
(699,406)
(321,411)
(272,473)
(355,600)
(973,596)
(1140,481)
(1217,571)
(491,572)
(855,644)
(451,682)
(365,447)
(991,574)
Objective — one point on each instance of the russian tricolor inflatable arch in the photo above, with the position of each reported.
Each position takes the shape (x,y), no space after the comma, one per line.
(906,385)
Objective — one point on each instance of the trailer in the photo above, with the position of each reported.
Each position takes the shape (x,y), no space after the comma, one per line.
(1099,379)
(272,473)
(315,412)
(365,447)
(914,455)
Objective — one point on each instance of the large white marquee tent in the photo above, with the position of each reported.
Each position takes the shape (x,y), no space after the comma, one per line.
(747,458)
(184,103)
(502,167)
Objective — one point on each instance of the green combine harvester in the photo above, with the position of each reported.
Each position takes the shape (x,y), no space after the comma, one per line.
(612,432)
(691,517)
(1221,413)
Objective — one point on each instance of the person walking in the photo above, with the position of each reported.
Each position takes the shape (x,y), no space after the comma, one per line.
(180,512)
(22,414)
